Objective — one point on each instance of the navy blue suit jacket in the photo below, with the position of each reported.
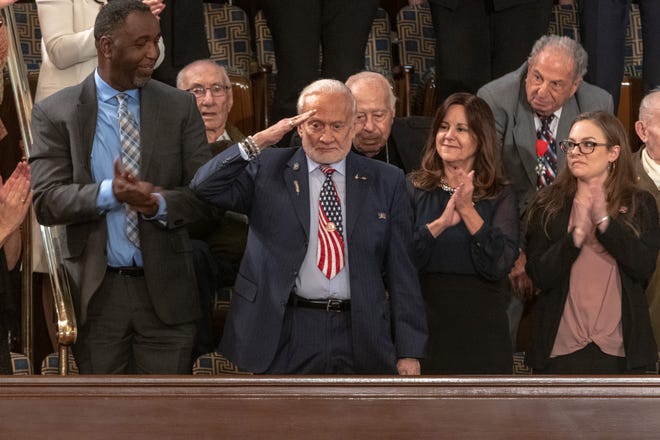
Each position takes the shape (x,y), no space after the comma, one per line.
(273,190)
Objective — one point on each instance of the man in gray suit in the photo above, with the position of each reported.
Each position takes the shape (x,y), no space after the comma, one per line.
(547,87)
(112,158)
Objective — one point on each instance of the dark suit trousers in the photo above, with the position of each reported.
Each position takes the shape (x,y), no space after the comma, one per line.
(314,342)
(123,335)
(476,43)
(300,27)
(603,32)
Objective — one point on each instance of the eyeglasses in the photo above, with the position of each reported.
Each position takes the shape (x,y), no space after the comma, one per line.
(216,90)
(585,147)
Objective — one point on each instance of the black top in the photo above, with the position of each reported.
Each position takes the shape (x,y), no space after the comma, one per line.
(490,253)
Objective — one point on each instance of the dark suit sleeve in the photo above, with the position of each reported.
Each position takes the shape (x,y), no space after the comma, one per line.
(409,315)
(183,207)
(550,255)
(57,199)
(635,254)
(227,181)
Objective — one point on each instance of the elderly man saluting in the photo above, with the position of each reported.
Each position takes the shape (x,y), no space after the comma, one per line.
(327,284)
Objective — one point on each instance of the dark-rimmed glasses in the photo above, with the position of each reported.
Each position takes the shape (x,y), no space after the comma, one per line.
(216,90)
(585,147)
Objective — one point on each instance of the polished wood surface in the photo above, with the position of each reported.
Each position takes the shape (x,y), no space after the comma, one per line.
(330,407)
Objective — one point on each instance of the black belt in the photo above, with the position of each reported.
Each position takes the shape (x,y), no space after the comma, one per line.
(127,271)
(329,305)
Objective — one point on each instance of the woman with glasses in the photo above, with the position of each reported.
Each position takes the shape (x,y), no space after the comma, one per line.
(592,243)
(466,239)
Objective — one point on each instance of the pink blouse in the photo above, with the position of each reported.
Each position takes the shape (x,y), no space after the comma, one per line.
(592,312)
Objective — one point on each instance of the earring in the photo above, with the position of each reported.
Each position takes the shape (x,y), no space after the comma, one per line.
(611,166)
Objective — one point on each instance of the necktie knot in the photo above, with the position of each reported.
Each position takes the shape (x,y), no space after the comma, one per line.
(546,121)
(328,171)
(122,98)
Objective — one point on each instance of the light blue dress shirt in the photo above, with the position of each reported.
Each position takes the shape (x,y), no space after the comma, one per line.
(311,283)
(105,150)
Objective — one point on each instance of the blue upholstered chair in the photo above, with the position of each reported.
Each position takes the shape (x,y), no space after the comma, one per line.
(51,365)
(416,42)
(20,365)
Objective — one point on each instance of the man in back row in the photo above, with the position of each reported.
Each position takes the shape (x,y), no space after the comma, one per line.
(398,141)
(327,284)
(534,108)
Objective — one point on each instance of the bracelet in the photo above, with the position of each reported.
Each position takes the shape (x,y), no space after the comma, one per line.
(251,147)
(604,219)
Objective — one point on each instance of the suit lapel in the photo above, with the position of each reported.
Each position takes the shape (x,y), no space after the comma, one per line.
(358,181)
(524,137)
(150,106)
(568,114)
(87,111)
(296,179)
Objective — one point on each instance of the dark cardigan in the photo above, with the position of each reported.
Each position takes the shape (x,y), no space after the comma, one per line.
(550,258)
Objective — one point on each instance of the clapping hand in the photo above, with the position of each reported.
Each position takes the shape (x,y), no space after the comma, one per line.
(15,200)
(136,193)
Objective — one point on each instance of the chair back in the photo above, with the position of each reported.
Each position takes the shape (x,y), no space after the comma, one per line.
(29,34)
(416,49)
(211,364)
(228,34)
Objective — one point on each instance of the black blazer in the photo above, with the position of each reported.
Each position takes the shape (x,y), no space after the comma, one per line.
(550,259)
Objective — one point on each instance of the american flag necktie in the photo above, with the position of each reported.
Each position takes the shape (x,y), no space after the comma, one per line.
(129,136)
(546,152)
(330,251)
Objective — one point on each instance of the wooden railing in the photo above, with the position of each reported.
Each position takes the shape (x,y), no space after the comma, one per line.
(330,407)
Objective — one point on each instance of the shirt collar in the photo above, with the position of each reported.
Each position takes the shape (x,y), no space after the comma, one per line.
(340,167)
(105,92)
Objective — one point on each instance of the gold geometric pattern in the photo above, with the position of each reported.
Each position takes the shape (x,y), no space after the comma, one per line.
(51,364)
(228,34)
(29,34)
(519,366)
(634,46)
(416,40)
(211,364)
(564,21)
(378,51)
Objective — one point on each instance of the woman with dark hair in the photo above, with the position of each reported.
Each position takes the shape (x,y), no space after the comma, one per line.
(466,237)
(592,244)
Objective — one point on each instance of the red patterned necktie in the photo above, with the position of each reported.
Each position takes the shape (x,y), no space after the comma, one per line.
(330,252)
(129,136)
(546,152)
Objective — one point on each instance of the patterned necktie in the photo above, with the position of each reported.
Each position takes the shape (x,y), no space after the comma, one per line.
(330,252)
(546,152)
(129,136)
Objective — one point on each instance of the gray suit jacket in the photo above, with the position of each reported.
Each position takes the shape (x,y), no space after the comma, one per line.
(173,145)
(514,120)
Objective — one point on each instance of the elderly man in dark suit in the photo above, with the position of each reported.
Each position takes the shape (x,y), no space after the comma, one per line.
(327,283)
(383,137)
(534,107)
(111,160)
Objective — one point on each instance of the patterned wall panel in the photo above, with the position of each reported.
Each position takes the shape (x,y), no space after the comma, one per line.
(378,52)
(228,33)
(633,61)
(29,34)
